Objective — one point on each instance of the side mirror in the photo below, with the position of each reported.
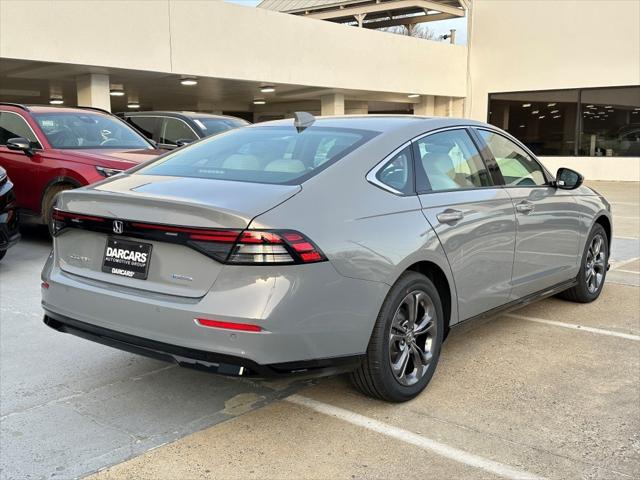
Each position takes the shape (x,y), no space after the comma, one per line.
(183,141)
(20,144)
(568,179)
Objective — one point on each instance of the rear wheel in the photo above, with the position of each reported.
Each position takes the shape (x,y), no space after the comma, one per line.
(593,268)
(49,201)
(405,344)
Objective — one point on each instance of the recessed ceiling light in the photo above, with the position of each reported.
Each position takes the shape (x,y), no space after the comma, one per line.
(526,105)
(554,111)
(590,106)
(551,104)
(522,126)
(557,116)
(267,89)
(56,101)
(601,113)
(637,109)
(413,95)
(541,117)
(116,92)
(133,105)
(608,106)
(610,110)
(535,111)
(189,81)
(259,101)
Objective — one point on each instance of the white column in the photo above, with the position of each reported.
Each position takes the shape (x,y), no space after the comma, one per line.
(332,104)
(426,106)
(93,91)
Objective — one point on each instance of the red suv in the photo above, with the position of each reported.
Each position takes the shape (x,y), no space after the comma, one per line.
(49,149)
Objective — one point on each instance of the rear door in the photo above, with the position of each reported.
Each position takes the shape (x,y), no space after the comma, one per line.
(473,217)
(149,126)
(548,221)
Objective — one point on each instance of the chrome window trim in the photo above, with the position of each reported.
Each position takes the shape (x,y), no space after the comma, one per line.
(30,128)
(373,179)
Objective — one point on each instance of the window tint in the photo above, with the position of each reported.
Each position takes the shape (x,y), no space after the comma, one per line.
(396,173)
(261,154)
(13,125)
(517,168)
(145,125)
(449,160)
(69,130)
(174,129)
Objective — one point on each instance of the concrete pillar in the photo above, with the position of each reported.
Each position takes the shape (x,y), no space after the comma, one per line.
(356,108)
(93,91)
(443,106)
(457,107)
(425,106)
(332,104)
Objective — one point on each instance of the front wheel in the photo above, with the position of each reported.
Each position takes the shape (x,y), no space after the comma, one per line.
(593,268)
(405,344)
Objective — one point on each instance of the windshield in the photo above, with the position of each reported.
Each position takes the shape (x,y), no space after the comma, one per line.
(67,130)
(216,125)
(261,154)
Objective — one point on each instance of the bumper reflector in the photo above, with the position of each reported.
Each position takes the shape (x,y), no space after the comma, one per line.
(244,327)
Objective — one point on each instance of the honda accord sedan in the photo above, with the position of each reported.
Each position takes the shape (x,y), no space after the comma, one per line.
(322,245)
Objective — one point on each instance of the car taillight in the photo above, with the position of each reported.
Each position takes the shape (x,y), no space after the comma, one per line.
(259,247)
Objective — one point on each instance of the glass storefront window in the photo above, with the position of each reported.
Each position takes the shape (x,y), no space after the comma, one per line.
(587,122)
(610,122)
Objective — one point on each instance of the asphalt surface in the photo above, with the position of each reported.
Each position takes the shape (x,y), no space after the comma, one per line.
(527,394)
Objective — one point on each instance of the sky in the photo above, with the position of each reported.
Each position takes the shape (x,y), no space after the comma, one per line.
(441,27)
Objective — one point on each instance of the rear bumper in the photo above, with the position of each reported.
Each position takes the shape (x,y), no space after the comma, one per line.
(198,359)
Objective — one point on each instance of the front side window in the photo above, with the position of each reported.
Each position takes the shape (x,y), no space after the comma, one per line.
(449,161)
(13,125)
(75,130)
(175,130)
(268,154)
(145,125)
(396,173)
(516,166)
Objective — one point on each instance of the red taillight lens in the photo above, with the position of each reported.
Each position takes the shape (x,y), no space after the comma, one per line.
(244,327)
(73,217)
(261,247)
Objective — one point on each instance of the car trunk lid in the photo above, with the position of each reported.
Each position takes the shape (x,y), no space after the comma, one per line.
(155,213)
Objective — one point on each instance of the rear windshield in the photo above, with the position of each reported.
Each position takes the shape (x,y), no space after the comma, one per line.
(69,130)
(278,155)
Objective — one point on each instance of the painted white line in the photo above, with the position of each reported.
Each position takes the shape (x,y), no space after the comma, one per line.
(617,265)
(413,438)
(626,238)
(625,271)
(573,326)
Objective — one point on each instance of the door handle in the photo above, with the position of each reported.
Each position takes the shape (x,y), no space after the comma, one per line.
(525,207)
(450,216)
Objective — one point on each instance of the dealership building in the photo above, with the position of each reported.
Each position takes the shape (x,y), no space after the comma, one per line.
(563,76)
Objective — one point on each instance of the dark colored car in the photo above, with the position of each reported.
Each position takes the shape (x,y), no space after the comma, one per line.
(46,150)
(9,235)
(174,129)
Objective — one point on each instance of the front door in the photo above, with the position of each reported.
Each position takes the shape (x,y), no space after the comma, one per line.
(473,218)
(548,222)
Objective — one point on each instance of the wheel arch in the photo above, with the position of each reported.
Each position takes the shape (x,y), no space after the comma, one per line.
(604,221)
(434,273)
(58,180)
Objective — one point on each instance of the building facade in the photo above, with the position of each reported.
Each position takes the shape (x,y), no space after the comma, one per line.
(579,73)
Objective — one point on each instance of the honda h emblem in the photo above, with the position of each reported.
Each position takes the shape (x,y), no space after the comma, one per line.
(117,226)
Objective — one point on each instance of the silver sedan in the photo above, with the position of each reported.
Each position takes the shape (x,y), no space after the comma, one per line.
(322,246)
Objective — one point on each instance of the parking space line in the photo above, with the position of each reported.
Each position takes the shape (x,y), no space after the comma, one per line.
(412,438)
(599,331)
(616,266)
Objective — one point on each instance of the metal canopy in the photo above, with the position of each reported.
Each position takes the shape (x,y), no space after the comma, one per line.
(370,13)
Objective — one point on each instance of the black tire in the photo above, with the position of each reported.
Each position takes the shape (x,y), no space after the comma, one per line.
(582,293)
(49,201)
(375,377)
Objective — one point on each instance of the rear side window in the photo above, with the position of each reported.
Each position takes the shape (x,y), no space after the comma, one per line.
(211,126)
(517,168)
(449,161)
(266,154)
(145,125)
(174,130)
(13,125)
(397,172)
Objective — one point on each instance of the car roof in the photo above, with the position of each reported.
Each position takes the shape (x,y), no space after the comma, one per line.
(179,114)
(382,123)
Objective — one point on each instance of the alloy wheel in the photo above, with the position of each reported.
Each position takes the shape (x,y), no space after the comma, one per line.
(412,337)
(595,266)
